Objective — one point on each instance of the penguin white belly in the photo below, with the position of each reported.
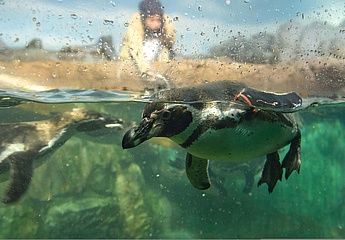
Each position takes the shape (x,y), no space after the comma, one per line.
(243,142)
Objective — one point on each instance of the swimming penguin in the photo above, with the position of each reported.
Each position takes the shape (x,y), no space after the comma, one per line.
(224,121)
(23,143)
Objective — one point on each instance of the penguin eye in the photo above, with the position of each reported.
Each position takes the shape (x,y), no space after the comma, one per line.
(166,115)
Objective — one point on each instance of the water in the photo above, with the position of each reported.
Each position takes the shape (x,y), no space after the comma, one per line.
(92,188)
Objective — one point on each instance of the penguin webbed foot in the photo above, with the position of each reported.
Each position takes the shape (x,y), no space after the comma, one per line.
(292,160)
(272,171)
(21,171)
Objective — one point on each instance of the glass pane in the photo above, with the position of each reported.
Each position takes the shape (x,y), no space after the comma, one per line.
(110,110)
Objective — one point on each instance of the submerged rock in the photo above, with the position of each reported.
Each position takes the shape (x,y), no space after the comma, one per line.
(133,210)
(83,218)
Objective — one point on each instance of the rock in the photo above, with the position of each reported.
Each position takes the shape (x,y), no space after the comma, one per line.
(129,190)
(83,218)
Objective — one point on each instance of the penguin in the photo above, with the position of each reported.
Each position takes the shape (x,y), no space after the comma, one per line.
(224,121)
(23,143)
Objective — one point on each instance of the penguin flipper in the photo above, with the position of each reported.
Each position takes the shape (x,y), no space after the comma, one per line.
(21,170)
(197,172)
(272,171)
(292,160)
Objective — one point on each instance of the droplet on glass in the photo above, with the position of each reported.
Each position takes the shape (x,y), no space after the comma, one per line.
(38,24)
(202,33)
(34,19)
(74,15)
(108,22)
(176,18)
(200,8)
(126,24)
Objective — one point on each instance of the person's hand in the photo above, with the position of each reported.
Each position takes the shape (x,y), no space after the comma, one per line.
(148,75)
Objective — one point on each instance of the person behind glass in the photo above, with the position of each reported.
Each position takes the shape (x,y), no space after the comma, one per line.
(150,37)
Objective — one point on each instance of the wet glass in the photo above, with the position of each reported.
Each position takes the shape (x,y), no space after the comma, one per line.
(68,96)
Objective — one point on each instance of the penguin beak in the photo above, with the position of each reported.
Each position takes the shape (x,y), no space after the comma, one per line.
(147,129)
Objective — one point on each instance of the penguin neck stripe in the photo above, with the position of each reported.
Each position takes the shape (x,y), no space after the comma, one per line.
(211,122)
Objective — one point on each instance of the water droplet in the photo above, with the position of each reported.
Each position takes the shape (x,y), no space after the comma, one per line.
(126,24)
(176,18)
(202,33)
(74,15)
(228,2)
(34,19)
(54,75)
(57,64)
(200,8)
(108,22)
(246,1)
(90,23)
(38,24)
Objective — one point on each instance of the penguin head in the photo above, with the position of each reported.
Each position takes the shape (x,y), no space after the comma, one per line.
(89,120)
(158,120)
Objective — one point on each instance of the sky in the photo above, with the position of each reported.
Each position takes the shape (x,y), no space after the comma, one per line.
(200,24)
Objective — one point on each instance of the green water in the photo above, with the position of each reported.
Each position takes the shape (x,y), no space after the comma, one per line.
(92,188)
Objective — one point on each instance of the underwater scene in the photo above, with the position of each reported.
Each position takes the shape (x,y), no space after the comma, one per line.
(158,119)
(90,187)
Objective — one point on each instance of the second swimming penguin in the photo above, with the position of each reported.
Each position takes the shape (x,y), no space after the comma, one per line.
(25,143)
